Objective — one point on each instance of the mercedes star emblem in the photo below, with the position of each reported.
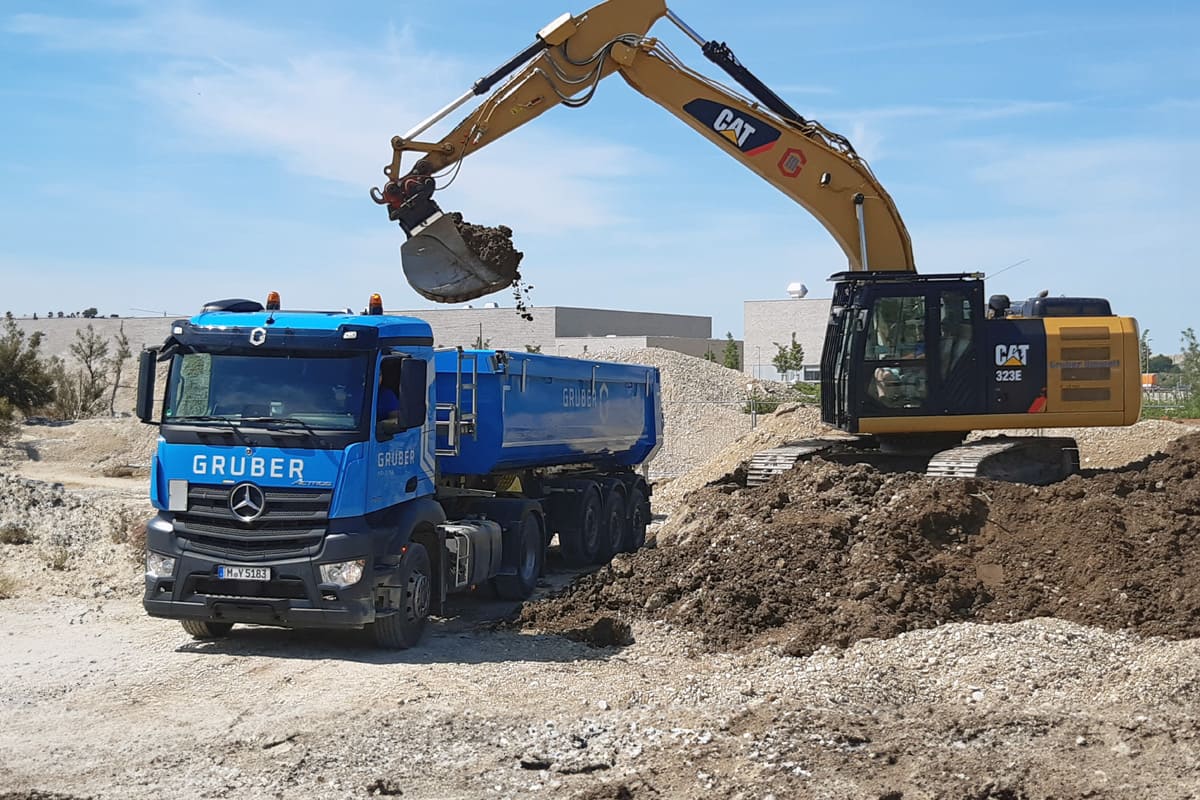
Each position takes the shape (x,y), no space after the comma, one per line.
(247,502)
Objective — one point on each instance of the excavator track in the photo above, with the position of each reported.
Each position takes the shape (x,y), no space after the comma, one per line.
(767,464)
(1036,460)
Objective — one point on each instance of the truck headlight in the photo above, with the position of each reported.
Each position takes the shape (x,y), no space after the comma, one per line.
(159,566)
(343,573)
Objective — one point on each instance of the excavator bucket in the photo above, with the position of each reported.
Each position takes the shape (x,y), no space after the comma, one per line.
(440,264)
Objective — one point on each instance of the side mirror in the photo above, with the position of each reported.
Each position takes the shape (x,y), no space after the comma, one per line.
(147,366)
(414,373)
(408,403)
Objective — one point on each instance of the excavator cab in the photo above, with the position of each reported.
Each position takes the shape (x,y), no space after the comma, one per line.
(900,346)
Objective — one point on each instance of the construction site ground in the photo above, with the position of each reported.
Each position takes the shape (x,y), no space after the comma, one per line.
(836,633)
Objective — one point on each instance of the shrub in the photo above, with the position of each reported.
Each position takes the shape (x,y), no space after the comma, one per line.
(12,533)
(57,559)
(8,422)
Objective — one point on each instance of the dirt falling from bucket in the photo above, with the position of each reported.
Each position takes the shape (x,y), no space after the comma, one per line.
(494,246)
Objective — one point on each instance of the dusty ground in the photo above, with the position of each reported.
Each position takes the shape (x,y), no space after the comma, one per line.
(835,634)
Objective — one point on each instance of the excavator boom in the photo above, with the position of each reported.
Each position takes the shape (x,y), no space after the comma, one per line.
(815,167)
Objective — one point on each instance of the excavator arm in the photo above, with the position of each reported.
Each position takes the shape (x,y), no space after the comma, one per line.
(816,168)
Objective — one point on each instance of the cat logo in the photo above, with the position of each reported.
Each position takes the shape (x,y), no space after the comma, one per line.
(1012,355)
(735,129)
(748,134)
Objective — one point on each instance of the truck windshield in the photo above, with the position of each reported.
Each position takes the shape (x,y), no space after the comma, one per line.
(309,391)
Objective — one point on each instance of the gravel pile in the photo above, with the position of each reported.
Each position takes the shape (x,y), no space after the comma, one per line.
(703,405)
(61,542)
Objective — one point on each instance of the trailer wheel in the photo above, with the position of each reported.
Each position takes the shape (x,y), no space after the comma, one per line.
(199,629)
(615,524)
(639,518)
(532,547)
(579,536)
(403,629)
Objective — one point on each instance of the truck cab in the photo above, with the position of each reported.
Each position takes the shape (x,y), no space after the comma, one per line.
(298,475)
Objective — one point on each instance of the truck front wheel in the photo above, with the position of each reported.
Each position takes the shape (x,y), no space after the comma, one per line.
(531,545)
(403,628)
(199,629)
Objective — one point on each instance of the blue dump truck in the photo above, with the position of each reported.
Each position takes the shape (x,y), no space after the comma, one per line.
(332,470)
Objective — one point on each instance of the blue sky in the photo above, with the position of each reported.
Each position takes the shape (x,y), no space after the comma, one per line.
(156,154)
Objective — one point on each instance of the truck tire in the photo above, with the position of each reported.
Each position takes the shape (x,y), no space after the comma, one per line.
(614,523)
(639,519)
(403,629)
(579,534)
(199,629)
(531,544)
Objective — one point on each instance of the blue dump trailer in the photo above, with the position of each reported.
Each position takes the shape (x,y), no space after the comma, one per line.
(332,470)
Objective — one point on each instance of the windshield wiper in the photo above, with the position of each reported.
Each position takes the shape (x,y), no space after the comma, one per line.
(283,421)
(190,418)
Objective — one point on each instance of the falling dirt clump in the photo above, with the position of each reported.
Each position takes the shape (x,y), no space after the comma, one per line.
(829,554)
(494,246)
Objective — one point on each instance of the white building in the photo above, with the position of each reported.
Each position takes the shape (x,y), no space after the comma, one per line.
(769,324)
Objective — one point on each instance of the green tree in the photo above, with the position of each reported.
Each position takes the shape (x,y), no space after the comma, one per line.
(709,355)
(788,358)
(1190,365)
(1144,350)
(89,313)
(25,381)
(1161,363)
(116,365)
(79,392)
(730,357)
(533,348)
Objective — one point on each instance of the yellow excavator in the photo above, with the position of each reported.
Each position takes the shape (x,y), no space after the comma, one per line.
(911,363)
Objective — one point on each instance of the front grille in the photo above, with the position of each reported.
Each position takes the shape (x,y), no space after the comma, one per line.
(280,589)
(293,523)
(252,550)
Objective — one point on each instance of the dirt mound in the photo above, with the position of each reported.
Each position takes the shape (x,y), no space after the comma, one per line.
(830,554)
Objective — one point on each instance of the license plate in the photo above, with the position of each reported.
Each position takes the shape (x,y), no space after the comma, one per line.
(244,573)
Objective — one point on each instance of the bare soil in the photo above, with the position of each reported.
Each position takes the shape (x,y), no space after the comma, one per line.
(830,554)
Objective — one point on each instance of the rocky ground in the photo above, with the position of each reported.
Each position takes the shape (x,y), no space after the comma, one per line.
(836,633)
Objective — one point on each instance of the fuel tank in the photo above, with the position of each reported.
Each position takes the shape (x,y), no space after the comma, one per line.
(519,411)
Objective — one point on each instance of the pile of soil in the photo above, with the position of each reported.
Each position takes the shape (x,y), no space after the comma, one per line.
(830,554)
(494,246)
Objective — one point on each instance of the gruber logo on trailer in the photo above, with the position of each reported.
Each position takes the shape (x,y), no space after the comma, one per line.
(748,134)
(792,162)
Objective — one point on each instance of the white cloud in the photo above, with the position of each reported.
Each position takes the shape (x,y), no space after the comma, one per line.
(170,30)
(330,114)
